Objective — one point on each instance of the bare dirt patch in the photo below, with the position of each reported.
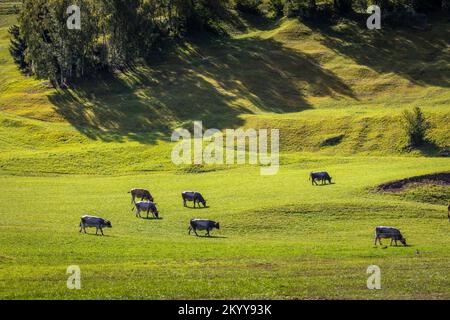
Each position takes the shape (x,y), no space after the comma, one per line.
(442,179)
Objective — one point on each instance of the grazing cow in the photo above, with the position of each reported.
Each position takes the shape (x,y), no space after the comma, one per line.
(389,233)
(94,222)
(193,196)
(140,193)
(146,206)
(322,176)
(208,225)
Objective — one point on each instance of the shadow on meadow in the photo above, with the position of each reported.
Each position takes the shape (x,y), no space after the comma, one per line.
(205,79)
(402,50)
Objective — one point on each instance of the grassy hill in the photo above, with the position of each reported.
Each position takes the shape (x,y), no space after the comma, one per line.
(336,93)
(312,82)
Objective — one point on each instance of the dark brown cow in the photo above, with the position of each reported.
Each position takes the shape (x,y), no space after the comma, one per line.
(140,193)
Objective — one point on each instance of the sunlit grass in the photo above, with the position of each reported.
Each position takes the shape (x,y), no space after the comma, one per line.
(79,152)
(275,241)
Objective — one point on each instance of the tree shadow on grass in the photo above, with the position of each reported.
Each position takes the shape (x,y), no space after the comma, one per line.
(215,81)
(402,50)
(428,149)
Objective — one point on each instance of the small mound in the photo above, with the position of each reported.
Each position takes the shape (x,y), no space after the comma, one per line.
(197,169)
(442,179)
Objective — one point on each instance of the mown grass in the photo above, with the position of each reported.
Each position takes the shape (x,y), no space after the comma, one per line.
(66,154)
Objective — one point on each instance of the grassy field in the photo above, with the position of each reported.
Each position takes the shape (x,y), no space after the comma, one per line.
(276,241)
(66,154)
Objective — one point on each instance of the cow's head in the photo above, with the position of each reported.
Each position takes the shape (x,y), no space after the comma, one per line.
(108,224)
(155,210)
(403,241)
(201,200)
(217,226)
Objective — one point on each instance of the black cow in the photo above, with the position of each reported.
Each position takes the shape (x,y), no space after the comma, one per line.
(208,225)
(389,233)
(196,197)
(322,176)
(94,222)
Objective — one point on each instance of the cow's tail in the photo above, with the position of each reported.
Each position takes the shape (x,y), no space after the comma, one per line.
(132,209)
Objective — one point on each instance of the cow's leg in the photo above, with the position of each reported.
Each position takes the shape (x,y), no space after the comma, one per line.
(101,230)
(190,229)
(184,203)
(96,232)
(376,240)
(195,230)
(207,233)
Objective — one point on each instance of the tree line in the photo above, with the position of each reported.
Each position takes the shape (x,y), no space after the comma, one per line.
(115,33)
(286,7)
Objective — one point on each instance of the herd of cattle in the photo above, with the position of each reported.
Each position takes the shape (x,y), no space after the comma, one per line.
(147,204)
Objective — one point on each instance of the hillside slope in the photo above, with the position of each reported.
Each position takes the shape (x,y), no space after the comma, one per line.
(317,84)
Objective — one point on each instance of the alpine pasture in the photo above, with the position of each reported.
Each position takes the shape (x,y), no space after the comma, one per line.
(68,153)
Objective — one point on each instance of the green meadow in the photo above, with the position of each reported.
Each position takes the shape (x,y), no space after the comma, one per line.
(64,154)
